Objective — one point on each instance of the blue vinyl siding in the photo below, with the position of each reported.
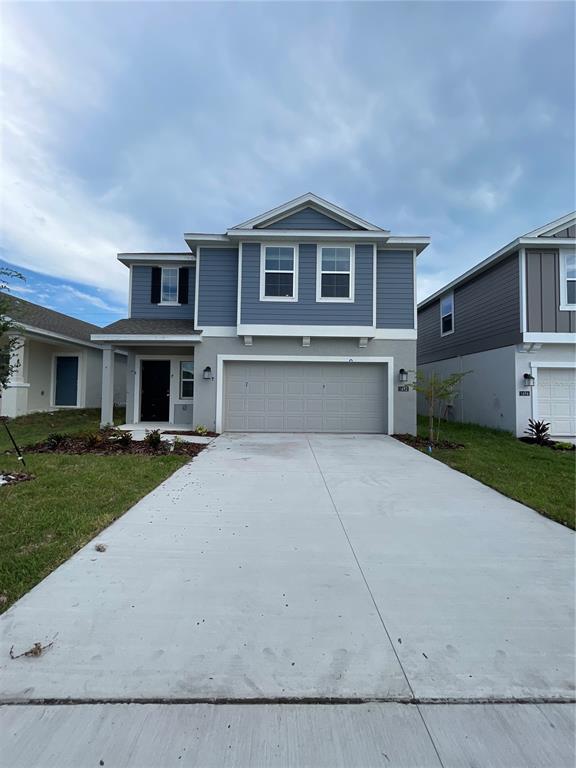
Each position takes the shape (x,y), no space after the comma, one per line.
(395,284)
(218,287)
(307,218)
(141,307)
(306,311)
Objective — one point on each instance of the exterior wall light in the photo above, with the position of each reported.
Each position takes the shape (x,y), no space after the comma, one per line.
(207,373)
(528,380)
(403,375)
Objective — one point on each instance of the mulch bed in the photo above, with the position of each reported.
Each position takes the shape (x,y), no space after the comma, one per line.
(79,445)
(11,478)
(422,442)
(556,446)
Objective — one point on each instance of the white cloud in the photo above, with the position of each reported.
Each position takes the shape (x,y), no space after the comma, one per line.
(51,223)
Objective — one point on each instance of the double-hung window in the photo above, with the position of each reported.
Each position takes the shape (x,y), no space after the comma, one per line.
(447,314)
(335,274)
(169,286)
(186,379)
(568,280)
(279,273)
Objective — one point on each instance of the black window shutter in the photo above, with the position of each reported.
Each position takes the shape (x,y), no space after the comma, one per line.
(155,285)
(183,286)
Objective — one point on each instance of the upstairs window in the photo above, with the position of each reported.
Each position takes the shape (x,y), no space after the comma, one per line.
(279,274)
(447,315)
(568,280)
(169,287)
(335,274)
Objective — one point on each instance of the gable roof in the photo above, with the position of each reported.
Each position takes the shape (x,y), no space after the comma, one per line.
(33,316)
(554,234)
(309,200)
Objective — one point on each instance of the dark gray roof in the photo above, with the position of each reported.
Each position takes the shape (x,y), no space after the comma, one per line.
(44,319)
(133,325)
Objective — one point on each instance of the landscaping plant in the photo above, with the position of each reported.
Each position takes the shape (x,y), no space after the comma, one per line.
(153,439)
(539,431)
(436,391)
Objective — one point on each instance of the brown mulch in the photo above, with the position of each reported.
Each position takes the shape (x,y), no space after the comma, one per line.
(422,442)
(553,444)
(78,445)
(11,478)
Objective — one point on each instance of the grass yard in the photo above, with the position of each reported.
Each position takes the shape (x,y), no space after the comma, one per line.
(538,477)
(44,521)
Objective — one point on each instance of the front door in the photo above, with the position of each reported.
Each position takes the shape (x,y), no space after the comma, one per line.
(155,390)
(66,389)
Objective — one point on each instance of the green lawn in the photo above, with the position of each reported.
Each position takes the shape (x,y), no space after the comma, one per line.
(538,477)
(44,521)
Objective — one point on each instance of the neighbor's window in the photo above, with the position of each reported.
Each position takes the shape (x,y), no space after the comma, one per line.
(169,290)
(568,277)
(186,379)
(447,314)
(335,274)
(279,273)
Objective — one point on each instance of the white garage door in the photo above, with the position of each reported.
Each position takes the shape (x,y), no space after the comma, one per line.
(557,399)
(305,397)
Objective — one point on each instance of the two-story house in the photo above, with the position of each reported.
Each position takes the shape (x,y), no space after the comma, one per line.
(302,319)
(511,322)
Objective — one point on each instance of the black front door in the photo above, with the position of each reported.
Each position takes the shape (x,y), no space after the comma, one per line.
(155,396)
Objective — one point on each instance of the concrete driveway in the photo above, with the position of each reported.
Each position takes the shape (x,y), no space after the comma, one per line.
(289,567)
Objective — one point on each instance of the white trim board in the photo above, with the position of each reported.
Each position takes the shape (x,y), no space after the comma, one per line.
(139,337)
(329,331)
(221,359)
(549,338)
(553,226)
(19,328)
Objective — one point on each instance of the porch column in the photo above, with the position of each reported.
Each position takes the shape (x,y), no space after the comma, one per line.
(107,412)
(14,399)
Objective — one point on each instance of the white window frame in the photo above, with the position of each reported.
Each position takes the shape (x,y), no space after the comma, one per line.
(170,303)
(293,271)
(564,305)
(319,272)
(449,295)
(182,397)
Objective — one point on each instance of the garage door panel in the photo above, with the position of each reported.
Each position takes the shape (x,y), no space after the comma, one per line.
(556,398)
(309,397)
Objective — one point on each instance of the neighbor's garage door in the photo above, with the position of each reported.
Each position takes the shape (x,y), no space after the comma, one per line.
(305,397)
(556,395)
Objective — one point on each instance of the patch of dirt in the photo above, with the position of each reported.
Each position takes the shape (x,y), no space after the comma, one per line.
(11,478)
(422,442)
(104,447)
(193,433)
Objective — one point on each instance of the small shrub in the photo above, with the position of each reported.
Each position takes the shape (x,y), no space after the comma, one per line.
(94,439)
(55,439)
(201,430)
(539,431)
(153,439)
(120,437)
(559,446)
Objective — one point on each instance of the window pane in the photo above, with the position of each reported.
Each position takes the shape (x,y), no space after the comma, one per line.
(169,284)
(335,286)
(186,378)
(571,291)
(279,284)
(281,258)
(571,265)
(335,259)
(447,305)
(447,324)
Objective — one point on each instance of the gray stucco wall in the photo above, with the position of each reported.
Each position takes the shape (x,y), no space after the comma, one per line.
(486,315)
(142,308)
(395,289)
(403,352)
(306,310)
(307,218)
(543,294)
(486,395)
(218,287)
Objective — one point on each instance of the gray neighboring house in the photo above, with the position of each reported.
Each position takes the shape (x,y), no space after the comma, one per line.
(511,320)
(57,364)
(298,320)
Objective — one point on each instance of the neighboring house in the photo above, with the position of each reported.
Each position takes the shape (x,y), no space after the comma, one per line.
(511,320)
(57,364)
(298,320)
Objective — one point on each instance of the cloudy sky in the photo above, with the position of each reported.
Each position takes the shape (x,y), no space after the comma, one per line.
(127,124)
